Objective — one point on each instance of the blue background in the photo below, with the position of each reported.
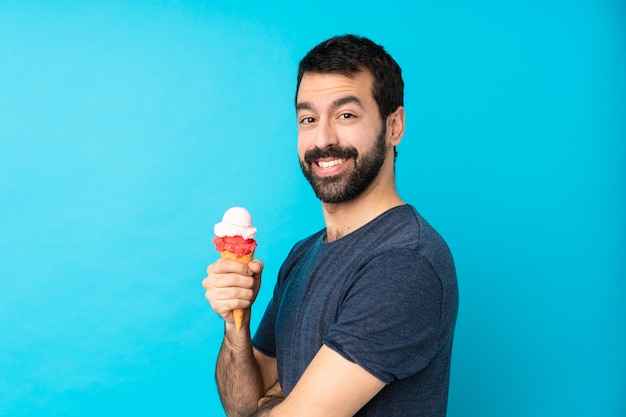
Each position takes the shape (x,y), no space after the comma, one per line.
(127,128)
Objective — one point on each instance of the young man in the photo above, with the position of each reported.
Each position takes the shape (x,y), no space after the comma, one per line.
(363,313)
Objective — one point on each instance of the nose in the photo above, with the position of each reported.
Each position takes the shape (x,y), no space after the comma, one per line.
(326,134)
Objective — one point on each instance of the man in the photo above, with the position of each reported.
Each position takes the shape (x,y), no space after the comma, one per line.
(363,313)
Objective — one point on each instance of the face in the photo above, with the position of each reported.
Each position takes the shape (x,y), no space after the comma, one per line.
(341,137)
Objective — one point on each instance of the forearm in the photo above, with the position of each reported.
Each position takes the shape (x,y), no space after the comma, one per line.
(239,379)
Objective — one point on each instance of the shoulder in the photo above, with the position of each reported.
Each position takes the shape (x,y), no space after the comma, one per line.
(405,251)
(402,227)
(418,234)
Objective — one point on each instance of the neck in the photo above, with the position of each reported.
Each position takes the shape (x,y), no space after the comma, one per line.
(344,218)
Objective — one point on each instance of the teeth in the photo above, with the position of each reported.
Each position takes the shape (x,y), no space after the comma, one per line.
(329,164)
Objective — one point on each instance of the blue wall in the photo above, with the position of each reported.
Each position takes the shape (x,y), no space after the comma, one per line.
(127,128)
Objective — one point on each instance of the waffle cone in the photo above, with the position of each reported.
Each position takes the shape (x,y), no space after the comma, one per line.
(244,259)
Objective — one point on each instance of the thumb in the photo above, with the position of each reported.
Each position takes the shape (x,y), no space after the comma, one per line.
(255,266)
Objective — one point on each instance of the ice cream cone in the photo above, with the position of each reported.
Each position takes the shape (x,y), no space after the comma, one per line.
(234,239)
(244,259)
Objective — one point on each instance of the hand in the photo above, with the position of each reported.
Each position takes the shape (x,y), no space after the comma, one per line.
(230,285)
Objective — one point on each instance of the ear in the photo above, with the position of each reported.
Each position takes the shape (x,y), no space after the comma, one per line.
(395,126)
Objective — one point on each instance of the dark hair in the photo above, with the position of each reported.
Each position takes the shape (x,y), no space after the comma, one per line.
(349,54)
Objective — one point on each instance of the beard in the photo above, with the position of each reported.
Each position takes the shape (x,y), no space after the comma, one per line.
(353,181)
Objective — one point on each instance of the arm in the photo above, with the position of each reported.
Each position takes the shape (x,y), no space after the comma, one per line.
(331,386)
(243,374)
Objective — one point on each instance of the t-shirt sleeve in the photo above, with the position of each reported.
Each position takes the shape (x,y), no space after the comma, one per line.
(389,322)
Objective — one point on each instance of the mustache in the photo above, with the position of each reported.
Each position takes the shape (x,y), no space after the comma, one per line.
(316,153)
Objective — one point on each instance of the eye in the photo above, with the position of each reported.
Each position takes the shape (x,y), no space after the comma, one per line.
(346,116)
(307,120)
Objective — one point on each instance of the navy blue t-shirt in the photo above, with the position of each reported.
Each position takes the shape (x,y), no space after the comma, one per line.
(384,296)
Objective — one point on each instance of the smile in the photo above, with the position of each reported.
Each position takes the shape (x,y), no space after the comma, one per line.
(330,164)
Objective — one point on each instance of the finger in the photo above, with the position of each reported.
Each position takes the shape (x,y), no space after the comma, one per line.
(222,309)
(228,280)
(234,281)
(256,266)
(225,300)
(231,294)
(225,309)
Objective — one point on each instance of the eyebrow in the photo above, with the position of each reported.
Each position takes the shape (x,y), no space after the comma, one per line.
(305,105)
(347,100)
